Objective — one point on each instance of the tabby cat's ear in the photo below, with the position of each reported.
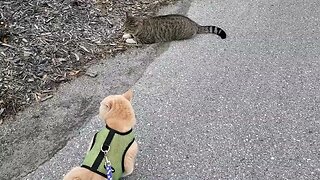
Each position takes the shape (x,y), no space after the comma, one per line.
(128,95)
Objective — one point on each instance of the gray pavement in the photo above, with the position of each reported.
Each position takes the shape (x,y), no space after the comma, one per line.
(38,133)
(247,107)
(243,108)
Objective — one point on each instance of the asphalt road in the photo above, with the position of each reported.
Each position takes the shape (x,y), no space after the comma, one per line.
(247,107)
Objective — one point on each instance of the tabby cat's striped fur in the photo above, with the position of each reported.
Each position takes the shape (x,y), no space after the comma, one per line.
(165,28)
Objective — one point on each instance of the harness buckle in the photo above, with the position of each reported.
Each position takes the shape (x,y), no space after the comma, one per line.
(105,155)
(105,151)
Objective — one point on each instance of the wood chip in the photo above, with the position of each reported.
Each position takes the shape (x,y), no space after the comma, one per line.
(27,54)
(45,34)
(1,111)
(84,48)
(30,80)
(74,72)
(77,56)
(47,91)
(62,59)
(7,45)
(46,98)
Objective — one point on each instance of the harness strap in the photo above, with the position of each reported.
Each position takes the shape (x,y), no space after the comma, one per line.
(105,147)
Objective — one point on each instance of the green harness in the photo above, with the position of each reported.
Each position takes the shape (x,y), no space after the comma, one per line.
(115,144)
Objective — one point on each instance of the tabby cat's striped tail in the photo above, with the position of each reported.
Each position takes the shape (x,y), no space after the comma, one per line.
(212,29)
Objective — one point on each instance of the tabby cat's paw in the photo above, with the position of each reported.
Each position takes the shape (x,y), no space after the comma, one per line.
(131,41)
(126,36)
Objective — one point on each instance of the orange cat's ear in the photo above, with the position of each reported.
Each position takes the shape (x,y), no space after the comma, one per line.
(128,95)
(105,108)
(106,104)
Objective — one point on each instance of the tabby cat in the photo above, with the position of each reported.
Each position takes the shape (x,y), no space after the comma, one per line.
(164,28)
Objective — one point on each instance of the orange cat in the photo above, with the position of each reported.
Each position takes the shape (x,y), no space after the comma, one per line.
(113,149)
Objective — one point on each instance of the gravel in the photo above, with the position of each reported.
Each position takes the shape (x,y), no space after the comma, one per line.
(48,42)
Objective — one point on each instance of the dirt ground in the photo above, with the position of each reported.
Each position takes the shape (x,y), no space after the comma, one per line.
(48,42)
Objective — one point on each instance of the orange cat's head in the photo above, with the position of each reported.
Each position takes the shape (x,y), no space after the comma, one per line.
(117,112)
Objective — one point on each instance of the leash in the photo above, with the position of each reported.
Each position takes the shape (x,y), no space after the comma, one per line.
(103,155)
(107,165)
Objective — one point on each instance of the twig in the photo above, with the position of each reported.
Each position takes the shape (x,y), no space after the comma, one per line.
(7,45)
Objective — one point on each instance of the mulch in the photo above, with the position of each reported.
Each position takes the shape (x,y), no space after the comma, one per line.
(44,43)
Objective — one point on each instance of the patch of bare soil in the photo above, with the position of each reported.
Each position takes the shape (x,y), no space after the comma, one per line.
(47,42)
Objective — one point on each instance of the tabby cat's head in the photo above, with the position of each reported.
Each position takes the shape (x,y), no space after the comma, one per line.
(132,24)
